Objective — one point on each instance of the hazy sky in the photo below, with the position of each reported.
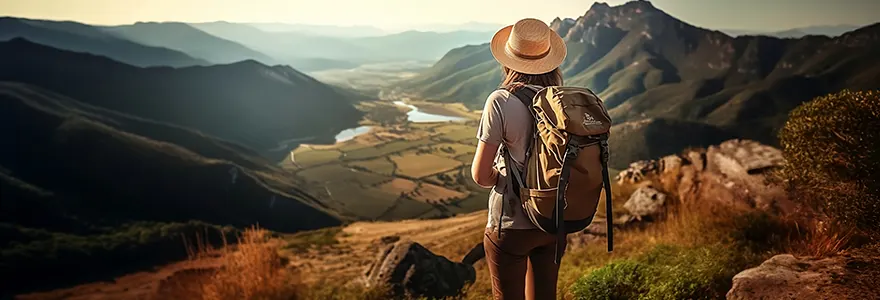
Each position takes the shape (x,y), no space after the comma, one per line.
(397,14)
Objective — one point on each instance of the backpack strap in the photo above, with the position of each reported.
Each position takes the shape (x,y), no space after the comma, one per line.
(609,217)
(525,95)
(572,147)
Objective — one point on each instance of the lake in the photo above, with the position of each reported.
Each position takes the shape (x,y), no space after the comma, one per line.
(351,133)
(418,116)
(414,115)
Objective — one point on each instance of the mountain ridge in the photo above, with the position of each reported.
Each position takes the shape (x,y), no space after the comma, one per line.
(246,102)
(188,39)
(645,63)
(80,37)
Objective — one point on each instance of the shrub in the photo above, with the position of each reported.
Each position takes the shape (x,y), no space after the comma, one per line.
(666,272)
(832,149)
(618,280)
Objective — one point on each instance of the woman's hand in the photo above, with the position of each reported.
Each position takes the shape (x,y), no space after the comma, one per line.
(483,167)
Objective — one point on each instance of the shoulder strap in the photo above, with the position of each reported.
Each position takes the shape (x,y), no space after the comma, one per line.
(525,94)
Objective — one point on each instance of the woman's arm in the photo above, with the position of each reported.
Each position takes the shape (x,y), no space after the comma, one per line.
(483,167)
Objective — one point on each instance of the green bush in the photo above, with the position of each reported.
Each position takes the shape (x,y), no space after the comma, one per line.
(832,149)
(666,272)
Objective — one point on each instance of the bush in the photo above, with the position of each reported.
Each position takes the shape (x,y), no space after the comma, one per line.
(832,149)
(666,272)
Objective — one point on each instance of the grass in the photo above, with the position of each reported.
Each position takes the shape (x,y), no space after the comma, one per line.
(303,241)
(380,165)
(367,202)
(341,173)
(430,193)
(452,150)
(398,186)
(384,149)
(306,157)
(459,134)
(254,270)
(415,165)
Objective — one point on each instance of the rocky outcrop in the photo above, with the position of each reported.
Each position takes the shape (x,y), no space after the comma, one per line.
(411,270)
(645,202)
(784,276)
(731,173)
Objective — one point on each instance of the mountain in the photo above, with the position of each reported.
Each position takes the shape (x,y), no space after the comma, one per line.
(301,50)
(245,102)
(187,39)
(469,26)
(79,37)
(321,30)
(421,45)
(647,64)
(826,30)
(298,46)
(84,187)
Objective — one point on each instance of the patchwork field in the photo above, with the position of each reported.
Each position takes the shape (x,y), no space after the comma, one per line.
(398,170)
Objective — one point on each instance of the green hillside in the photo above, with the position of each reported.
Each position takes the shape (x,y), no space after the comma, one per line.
(246,102)
(114,192)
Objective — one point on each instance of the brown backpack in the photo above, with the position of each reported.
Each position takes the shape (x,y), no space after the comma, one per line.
(566,163)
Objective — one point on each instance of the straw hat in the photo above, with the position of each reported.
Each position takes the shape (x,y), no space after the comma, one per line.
(529,47)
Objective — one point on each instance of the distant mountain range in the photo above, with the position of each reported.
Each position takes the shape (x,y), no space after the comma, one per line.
(89,39)
(826,30)
(187,39)
(180,44)
(295,45)
(648,65)
(245,102)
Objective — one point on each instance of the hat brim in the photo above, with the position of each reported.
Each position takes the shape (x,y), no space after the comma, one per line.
(551,61)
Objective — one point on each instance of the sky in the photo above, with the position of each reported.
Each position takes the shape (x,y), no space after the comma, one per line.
(761,15)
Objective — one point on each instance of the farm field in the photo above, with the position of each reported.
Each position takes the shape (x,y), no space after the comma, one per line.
(398,170)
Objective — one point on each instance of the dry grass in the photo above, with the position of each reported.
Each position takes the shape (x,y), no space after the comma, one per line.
(254,270)
(821,239)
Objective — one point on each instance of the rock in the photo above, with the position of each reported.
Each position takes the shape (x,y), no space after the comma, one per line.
(742,158)
(477,253)
(411,270)
(645,201)
(637,171)
(388,239)
(697,159)
(670,164)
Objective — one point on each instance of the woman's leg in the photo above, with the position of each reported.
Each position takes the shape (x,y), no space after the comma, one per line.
(542,269)
(507,258)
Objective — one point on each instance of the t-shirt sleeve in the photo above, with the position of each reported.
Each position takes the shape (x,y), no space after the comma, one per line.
(491,129)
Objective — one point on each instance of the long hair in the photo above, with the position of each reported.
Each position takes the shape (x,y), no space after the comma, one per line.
(515,79)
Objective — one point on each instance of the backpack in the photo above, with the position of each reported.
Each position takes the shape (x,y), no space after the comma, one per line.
(566,162)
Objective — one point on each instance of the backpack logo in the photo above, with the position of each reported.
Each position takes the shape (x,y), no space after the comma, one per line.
(590,121)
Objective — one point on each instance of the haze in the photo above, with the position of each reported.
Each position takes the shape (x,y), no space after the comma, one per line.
(409,14)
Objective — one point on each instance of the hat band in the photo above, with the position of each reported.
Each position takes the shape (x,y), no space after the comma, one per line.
(526,56)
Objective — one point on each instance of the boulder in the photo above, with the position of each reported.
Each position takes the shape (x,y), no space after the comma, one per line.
(644,202)
(784,276)
(412,271)
(742,158)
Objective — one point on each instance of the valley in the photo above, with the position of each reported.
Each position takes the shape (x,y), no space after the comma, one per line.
(409,164)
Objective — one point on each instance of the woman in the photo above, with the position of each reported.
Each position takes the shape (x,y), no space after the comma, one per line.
(520,257)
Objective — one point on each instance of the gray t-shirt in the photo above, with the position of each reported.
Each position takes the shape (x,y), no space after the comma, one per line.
(506,121)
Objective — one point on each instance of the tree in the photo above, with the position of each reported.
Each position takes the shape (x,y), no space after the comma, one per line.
(832,150)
